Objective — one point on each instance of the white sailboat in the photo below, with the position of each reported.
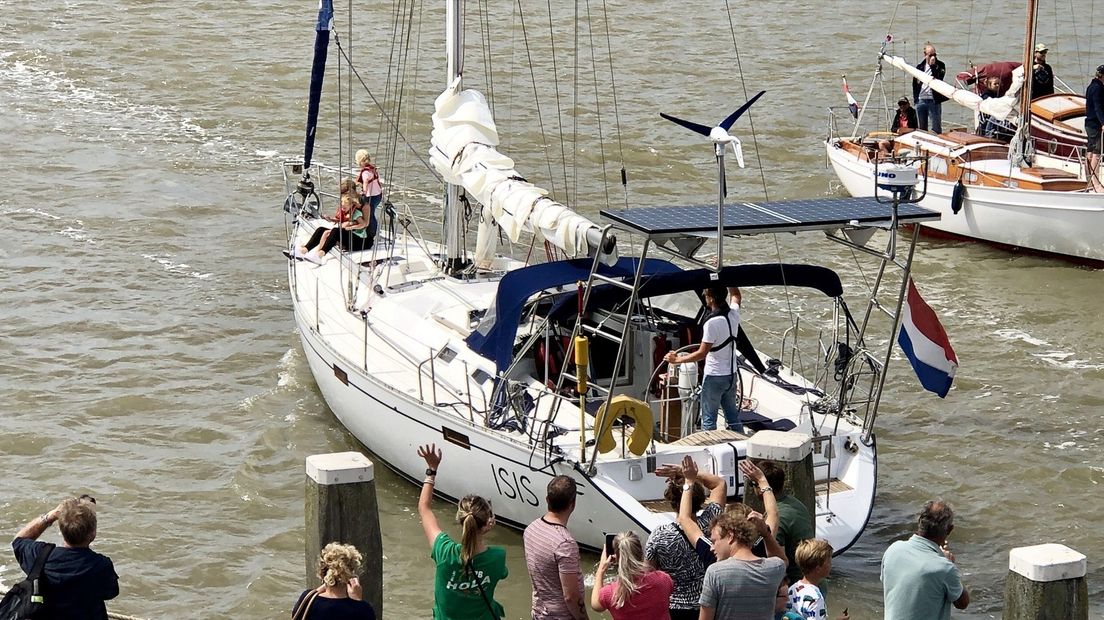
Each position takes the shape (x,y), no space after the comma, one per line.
(1030,194)
(416,341)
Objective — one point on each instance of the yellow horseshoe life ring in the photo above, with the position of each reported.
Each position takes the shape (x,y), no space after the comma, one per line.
(623,405)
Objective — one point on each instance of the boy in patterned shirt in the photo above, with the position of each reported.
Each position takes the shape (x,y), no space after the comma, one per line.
(814,558)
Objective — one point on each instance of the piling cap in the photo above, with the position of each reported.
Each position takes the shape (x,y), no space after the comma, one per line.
(1049,562)
(788,447)
(339,468)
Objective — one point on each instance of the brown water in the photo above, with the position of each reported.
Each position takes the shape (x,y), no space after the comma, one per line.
(148,356)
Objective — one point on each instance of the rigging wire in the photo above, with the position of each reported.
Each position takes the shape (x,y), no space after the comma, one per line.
(1076,39)
(758,158)
(352,110)
(411,40)
(381,156)
(341,135)
(1092,31)
(766,196)
(597,103)
(485,39)
(984,20)
(556,85)
(340,123)
(414,85)
(389,118)
(393,83)
(616,111)
(536,97)
(750,114)
(573,191)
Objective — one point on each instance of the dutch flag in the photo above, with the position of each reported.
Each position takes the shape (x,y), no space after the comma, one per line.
(925,344)
(852,105)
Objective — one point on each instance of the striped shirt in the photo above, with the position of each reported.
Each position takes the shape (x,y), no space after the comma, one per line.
(550,551)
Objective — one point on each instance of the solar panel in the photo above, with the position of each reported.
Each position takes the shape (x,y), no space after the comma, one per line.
(752,218)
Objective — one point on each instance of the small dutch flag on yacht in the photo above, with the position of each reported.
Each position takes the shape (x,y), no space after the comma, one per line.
(852,105)
(925,344)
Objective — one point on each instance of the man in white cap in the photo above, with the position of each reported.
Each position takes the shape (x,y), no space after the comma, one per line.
(1042,77)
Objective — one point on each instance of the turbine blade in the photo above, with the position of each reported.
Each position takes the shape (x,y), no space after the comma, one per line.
(727,123)
(696,128)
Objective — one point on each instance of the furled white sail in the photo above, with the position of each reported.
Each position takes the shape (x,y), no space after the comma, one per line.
(463,152)
(999,107)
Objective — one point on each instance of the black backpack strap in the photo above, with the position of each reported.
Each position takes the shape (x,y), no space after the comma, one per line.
(486,600)
(40,561)
(731,340)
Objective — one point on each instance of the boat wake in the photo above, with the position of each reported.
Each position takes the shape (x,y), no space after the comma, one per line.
(285,379)
(174,267)
(1058,358)
(31,87)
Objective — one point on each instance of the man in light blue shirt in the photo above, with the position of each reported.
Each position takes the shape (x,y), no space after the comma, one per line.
(919,578)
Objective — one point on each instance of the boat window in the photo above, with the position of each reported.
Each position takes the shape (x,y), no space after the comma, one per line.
(685,303)
(938,165)
(455,438)
(480,376)
(447,355)
(603,352)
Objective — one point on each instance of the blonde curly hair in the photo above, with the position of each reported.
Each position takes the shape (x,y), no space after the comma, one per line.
(339,563)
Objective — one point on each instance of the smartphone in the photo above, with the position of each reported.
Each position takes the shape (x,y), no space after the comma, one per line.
(609,544)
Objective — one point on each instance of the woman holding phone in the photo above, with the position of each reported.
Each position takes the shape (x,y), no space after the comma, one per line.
(638,593)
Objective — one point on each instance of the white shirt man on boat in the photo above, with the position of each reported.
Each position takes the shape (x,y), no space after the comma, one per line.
(718,348)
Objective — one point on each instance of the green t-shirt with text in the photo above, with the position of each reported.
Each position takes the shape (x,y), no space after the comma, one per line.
(456,591)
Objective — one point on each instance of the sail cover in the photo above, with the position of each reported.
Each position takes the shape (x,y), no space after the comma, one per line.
(318,72)
(1000,107)
(463,152)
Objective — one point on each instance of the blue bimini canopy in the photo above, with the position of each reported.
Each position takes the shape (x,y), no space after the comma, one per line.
(494,338)
(815,277)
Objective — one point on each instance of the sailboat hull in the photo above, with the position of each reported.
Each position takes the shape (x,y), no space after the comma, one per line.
(1065,224)
(391,425)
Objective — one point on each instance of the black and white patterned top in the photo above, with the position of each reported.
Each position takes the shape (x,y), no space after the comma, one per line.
(669,550)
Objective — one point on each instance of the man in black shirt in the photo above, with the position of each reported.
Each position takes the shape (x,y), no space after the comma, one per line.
(1094,125)
(1042,76)
(78,580)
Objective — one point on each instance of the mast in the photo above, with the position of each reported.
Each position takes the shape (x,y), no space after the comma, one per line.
(1021,143)
(453,224)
